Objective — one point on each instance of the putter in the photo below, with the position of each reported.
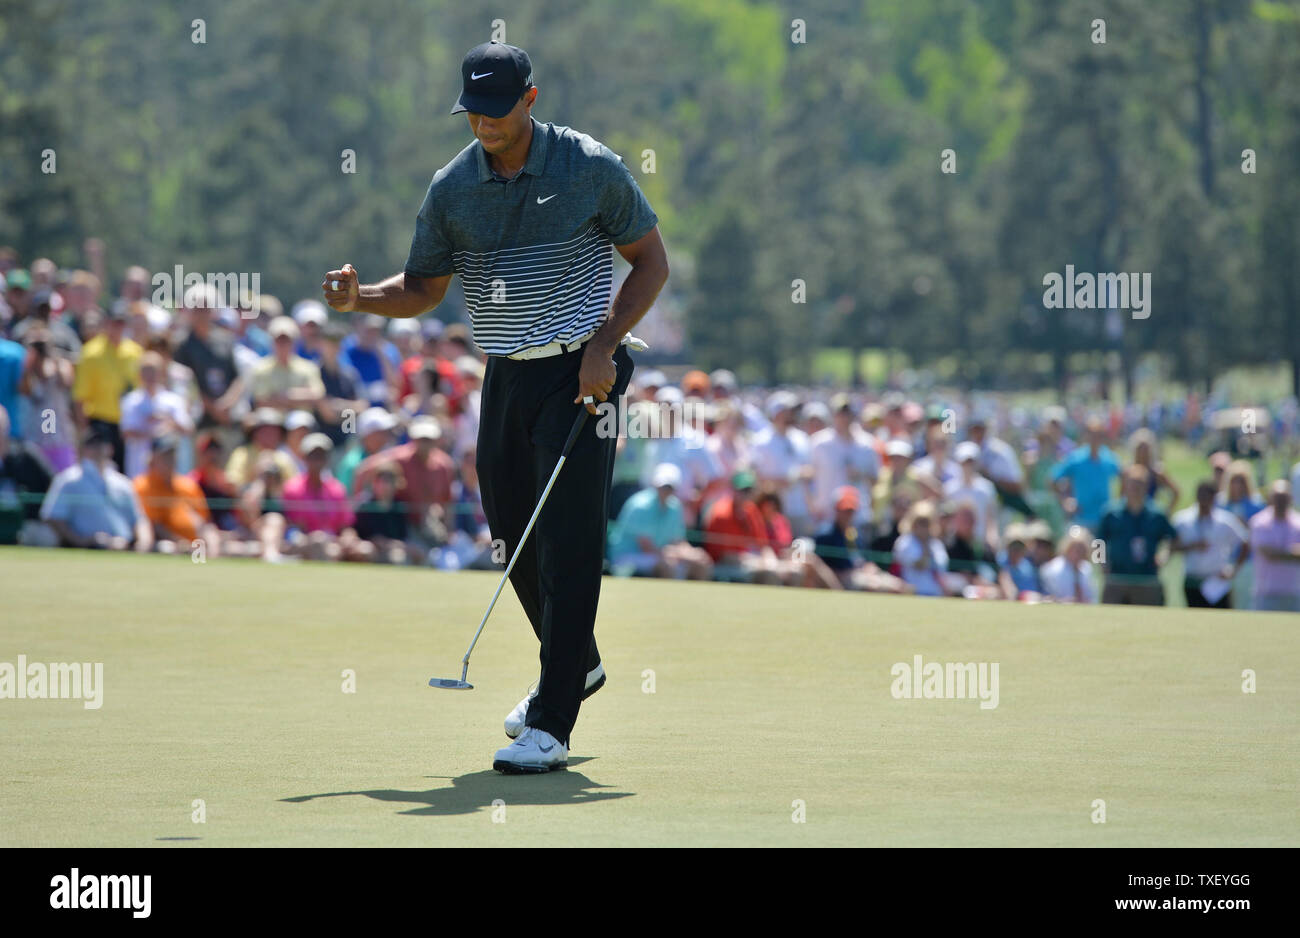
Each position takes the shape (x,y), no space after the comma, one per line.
(447,683)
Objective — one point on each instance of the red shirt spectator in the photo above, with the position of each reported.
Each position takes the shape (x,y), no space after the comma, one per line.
(427,470)
(735,525)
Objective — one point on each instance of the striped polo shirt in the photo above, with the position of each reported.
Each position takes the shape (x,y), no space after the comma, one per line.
(535,253)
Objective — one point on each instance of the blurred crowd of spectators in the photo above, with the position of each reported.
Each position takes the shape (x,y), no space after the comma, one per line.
(252,430)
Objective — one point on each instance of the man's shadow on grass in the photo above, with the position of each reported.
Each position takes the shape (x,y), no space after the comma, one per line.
(476,791)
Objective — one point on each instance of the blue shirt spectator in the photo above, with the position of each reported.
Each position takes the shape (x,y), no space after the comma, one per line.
(93,500)
(1090,469)
(12,357)
(662,522)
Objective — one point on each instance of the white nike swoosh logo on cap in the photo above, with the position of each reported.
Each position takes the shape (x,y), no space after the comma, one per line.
(540,200)
(474,77)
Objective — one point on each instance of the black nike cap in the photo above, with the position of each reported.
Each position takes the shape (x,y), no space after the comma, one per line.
(495,76)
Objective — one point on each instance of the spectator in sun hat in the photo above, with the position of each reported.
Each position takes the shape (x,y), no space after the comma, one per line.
(650,533)
(373,434)
(265,438)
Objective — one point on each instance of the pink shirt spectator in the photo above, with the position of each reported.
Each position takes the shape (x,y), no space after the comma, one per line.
(317,509)
(1275,577)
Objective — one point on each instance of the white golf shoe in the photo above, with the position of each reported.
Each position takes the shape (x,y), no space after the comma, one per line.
(533,752)
(515,722)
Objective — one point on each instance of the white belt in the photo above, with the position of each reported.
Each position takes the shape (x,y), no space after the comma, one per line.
(560,348)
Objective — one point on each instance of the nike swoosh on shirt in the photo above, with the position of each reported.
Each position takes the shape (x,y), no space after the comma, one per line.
(474,77)
(540,200)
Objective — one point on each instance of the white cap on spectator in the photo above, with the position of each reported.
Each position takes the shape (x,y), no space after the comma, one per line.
(966,450)
(1054,414)
(722,378)
(666,474)
(299,420)
(201,296)
(432,328)
(668,394)
(898,448)
(781,400)
(401,327)
(653,379)
(374,419)
(313,442)
(283,326)
(817,409)
(424,428)
(305,311)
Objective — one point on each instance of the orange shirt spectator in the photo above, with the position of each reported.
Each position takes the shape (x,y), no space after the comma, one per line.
(174,504)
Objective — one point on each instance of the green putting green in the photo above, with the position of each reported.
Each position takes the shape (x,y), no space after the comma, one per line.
(771,720)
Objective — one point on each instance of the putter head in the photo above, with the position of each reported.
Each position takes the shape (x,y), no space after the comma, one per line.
(447,683)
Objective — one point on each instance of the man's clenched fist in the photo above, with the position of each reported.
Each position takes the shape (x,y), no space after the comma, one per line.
(342,289)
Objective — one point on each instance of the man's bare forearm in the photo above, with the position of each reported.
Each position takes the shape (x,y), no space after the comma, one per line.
(399,297)
(634,300)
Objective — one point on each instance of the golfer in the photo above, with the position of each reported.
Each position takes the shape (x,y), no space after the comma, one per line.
(528,216)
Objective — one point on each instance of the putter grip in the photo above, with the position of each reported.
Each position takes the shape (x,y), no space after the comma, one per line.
(578,424)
